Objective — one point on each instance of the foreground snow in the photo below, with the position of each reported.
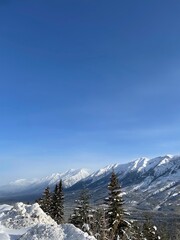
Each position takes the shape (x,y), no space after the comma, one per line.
(29,222)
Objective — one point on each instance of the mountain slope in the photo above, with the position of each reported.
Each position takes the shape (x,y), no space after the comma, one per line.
(148,183)
(24,187)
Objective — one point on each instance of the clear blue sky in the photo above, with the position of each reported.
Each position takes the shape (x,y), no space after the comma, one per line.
(86,83)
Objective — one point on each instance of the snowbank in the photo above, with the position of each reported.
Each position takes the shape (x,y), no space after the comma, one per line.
(22,215)
(59,232)
(44,232)
(29,222)
(73,233)
(5,207)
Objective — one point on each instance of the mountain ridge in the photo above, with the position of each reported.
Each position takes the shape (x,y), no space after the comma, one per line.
(148,183)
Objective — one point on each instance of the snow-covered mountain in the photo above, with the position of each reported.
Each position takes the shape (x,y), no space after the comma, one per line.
(147,183)
(23,186)
(159,165)
(69,178)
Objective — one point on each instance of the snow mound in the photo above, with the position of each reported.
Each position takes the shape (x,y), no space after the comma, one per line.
(44,232)
(22,215)
(4,236)
(58,232)
(5,207)
(29,222)
(73,233)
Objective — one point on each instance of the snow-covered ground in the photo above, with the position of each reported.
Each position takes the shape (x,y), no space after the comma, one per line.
(29,222)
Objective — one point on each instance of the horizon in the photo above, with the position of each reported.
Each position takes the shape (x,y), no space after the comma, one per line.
(87,83)
(90,171)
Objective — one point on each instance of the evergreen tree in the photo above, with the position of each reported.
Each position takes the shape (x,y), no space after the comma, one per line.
(149,230)
(75,218)
(54,203)
(115,212)
(134,231)
(99,225)
(45,201)
(81,216)
(57,208)
(61,203)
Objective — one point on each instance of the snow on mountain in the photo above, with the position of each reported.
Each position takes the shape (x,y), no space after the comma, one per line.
(140,164)
(29,222)
(17,185)
(147,182)
(69,178)
(145,164)
(156,183)
(101,172)
(159,165)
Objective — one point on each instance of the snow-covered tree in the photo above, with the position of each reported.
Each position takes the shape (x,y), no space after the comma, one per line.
(133,232)
(99,226)
(150,231)
(82,214)
(115,211)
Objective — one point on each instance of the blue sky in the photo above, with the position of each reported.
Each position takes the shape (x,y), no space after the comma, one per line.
(87,83)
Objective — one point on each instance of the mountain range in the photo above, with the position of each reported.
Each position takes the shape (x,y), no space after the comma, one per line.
(152,184)
(28,189)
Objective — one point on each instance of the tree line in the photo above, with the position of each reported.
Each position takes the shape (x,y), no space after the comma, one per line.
(108,222)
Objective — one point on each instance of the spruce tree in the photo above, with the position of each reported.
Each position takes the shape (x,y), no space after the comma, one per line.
(81,216)
(149,230)
(45,201)
(115,212)
(99,225)
(61,203)
(57,209)
(54,203)
(134,231)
